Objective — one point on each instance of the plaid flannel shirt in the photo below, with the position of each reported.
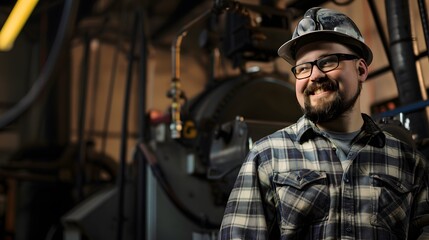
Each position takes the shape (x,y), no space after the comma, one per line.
(292,186)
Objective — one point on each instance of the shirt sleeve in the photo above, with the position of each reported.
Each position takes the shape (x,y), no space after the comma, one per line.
(420,220)
(249,213)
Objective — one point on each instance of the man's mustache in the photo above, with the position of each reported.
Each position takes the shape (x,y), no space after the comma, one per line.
(325,85)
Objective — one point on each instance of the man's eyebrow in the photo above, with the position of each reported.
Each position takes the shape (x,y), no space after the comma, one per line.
(321,56)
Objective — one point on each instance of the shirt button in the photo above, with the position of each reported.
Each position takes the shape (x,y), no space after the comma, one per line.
(346,180)
(348,229)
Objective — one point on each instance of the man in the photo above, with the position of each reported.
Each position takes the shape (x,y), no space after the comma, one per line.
(334,174)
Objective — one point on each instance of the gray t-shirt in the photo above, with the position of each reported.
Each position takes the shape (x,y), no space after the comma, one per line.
(342,142)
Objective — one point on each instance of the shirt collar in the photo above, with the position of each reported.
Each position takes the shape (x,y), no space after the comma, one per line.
(308,130)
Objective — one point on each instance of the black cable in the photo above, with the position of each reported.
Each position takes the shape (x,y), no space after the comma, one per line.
(380,30)
(141,164)
(80,161)
(41,84)
(124,130)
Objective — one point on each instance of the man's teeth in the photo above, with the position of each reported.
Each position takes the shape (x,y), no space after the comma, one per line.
(318,91)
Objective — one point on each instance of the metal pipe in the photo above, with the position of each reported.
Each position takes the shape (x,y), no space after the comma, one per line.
(95,46)
(175,92)
(81,118)
(418,64)
(380,29)
(425,24)
(385,69)
(403,63)
(109,98)
(414,107)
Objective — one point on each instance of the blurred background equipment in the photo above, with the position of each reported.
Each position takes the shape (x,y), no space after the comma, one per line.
(130,119)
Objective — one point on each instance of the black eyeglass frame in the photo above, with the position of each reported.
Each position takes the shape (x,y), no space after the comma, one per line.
(340,57)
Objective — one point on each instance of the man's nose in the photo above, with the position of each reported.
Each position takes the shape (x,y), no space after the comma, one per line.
(316,74)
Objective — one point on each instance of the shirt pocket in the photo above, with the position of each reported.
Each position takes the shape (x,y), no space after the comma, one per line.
(391,202)
(303,197)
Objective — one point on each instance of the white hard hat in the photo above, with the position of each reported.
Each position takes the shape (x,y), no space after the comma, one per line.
(321,24)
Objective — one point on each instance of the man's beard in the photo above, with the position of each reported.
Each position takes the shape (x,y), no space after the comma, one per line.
(326,111)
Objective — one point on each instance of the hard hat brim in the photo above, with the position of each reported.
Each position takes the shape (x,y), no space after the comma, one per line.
(288,50)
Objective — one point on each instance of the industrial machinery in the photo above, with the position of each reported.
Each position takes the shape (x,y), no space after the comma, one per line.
(185,161)
(209,136)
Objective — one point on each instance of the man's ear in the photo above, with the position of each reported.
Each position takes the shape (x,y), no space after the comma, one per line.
(362,68)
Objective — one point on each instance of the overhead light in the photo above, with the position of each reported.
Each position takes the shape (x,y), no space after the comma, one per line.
(14,23)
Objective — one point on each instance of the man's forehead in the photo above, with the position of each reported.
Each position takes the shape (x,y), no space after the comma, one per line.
(313,50)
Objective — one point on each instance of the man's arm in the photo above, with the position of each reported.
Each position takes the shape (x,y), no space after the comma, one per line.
(249,213)
(419,227)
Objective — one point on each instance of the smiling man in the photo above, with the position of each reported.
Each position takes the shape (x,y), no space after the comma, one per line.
(334,174)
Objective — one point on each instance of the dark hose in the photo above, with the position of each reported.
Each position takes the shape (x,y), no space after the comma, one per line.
(40,85)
